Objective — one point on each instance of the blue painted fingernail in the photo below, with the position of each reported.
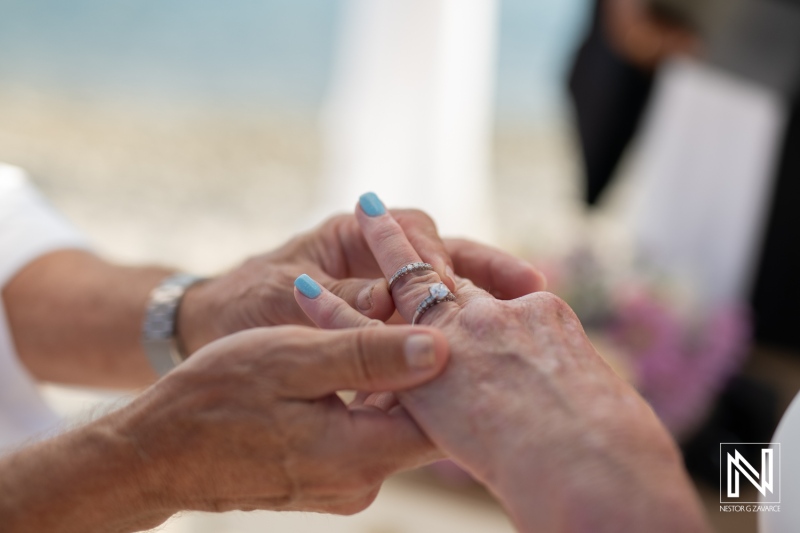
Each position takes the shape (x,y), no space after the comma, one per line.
(308,287)
(372,205)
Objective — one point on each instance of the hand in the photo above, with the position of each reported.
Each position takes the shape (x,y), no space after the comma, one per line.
(259,293)
(528,407)
(644,38)
(257,423)
(249,422)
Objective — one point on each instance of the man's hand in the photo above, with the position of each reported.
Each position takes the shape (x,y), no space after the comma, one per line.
(644,38)
(259,293)
(249,422)
(529,407)
(77,319)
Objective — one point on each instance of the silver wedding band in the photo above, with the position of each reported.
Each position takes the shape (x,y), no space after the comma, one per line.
(438,293)
(406,270)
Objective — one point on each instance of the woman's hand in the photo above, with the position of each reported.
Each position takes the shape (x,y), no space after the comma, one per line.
(259,293)
(528,406)
(249,422)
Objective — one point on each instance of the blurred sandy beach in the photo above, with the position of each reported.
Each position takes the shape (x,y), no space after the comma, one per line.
(201,191)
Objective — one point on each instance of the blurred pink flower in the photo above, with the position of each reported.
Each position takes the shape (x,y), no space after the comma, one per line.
(680,357)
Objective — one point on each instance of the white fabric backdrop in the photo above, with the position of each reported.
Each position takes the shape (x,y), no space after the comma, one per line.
(410,110)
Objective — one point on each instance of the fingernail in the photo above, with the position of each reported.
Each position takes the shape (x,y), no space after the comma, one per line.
(450,274)
(364,300)
(308,287)
(420,352)
(372,205)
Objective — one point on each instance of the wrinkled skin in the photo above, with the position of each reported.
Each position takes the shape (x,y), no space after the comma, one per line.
(259,293)
(528,406)
(249,422)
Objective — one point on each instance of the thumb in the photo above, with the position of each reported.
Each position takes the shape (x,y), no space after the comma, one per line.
(371,360)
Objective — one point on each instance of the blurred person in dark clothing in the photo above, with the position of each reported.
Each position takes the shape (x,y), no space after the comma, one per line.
(612,83)
(621,63)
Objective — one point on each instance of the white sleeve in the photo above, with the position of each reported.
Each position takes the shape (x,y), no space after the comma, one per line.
(29,228)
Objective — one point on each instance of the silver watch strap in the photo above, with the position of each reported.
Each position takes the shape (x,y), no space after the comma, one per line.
(158,330)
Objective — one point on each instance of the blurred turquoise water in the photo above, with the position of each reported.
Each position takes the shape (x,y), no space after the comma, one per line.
(270,54)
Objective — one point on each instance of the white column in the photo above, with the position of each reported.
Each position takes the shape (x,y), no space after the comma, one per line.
(410,115)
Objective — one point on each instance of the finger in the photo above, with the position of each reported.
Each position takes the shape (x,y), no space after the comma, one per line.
(360,398)
(351,256)
(384,401)
(390,443)
(468,291)
(505,276)
(370,297)
(366,359)
(354,258)
(392,250)
(383,230)
(325,309)
(339,247)
(424,237)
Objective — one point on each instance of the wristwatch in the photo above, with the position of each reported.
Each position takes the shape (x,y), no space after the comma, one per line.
(158,330)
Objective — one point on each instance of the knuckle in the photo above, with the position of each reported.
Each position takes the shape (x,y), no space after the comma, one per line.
(549,305)
(385,232)
(415,286)
(327,314)
(371,477)
(353,507)
(343,315)
(363,364)
(364,480)
(417,215)
(485,316)
(347,290)
(336,286)
(282,377)
(332,226)
(550,302)
(283,358)
(364,501)
(338,220)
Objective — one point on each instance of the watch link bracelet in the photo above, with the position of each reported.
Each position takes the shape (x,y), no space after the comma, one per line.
(158,330)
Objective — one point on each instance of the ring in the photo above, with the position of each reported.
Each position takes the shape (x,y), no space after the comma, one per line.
(406,270)
(439,293)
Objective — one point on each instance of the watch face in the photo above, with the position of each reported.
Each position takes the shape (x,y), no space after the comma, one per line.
(158,330)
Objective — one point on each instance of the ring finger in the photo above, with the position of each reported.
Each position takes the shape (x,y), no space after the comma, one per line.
(392,250)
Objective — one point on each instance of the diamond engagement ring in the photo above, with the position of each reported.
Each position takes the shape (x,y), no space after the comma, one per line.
(406,270)
(439,293)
